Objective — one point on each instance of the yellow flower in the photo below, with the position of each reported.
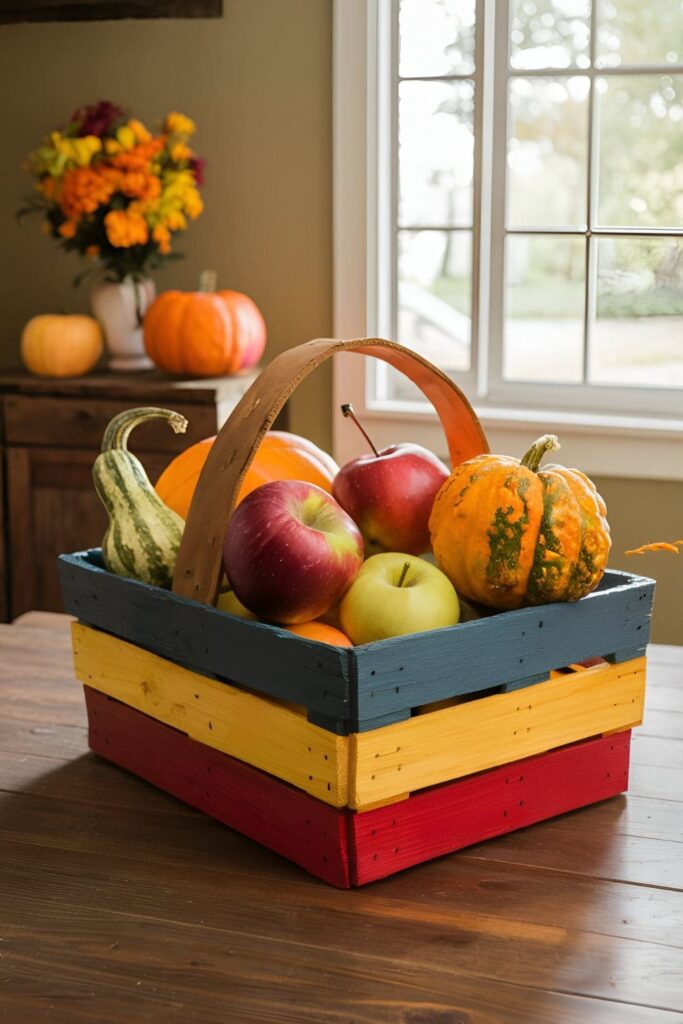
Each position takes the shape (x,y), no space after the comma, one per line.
(193,204)
(176,220)
(180,152)
(179,124)
(112,147)
(76,151)
(126,136)
(138,129)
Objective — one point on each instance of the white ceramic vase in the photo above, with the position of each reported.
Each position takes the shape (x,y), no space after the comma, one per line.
(120,308)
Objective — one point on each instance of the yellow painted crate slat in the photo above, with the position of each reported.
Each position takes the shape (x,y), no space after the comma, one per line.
(268,734)
(364,769)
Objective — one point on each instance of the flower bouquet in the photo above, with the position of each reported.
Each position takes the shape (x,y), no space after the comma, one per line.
(113,191)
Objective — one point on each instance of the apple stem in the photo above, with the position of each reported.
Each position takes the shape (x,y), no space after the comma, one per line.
(404,573)
(347,410)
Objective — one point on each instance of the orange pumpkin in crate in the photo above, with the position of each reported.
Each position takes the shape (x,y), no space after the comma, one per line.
(281,456)
(207,333)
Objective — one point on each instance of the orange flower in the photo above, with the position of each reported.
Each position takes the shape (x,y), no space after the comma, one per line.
(67,229)
(83,190)
(138,158)
(162,236)
(92,250)
(48,186)
(138,129)
(125,228)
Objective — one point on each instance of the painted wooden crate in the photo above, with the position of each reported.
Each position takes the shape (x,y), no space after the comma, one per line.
(348,690)
(341,846)
(415,732)
(383,765)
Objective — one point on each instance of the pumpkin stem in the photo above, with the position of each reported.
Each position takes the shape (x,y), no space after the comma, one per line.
(347,410)
(532,459)
(208,281)
(118,430)
(404,573)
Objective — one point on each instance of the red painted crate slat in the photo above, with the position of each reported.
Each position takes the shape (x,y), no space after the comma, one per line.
(340,846)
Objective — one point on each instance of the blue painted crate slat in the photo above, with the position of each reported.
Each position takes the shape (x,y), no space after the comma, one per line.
(253,654)
(356,689)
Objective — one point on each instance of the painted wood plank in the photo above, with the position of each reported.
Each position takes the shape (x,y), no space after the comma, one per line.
(258,730)
(459,814)
(361,688)
(365,769)
(430,824)
(256,655)
(284,819)
(482,734)
(501,649)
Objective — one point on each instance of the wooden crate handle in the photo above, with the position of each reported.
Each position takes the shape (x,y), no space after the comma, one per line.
(199,566)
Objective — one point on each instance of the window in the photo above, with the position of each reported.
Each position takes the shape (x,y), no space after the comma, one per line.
(525,218)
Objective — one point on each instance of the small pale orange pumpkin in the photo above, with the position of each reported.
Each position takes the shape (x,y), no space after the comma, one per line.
(61,346)
(281,456)
(205,333)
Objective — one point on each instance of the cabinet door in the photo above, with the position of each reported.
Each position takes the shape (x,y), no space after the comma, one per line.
(52,508)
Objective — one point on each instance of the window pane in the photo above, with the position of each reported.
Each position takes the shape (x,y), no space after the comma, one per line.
(549,34)
(436,153)
(545,277)
(435,295)
(636,32)
(638,333)
(641,150)
(436,37)
(547,152)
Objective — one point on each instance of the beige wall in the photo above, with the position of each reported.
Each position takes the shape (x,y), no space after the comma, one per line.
(258,82)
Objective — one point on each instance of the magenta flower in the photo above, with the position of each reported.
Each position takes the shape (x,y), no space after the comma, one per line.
(197,165)
(97,119)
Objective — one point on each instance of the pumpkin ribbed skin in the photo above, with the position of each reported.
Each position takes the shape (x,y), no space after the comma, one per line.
(61,346)
(191,334)
(281,456)
(507,534)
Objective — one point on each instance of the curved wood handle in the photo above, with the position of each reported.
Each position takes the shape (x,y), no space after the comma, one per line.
(199,565)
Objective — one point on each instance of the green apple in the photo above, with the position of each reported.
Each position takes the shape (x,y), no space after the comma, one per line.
(394,594)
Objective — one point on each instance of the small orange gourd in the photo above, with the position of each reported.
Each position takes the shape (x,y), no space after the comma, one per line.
(206,333)
(508,533)
(60,345)
(281,456)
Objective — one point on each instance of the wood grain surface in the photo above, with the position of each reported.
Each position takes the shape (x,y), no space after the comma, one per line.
(120,905)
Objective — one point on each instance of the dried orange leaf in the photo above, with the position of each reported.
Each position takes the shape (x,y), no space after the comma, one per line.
(660,545)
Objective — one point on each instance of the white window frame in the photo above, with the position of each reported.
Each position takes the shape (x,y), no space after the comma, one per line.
(612,442)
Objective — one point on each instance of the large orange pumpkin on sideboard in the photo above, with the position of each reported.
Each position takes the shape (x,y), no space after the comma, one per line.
(206,333)
(281,456)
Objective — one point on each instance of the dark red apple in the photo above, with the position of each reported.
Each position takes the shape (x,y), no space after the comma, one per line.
(291,552)
(390,494)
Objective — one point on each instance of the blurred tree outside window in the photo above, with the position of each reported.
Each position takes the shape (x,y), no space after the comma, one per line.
(589,220)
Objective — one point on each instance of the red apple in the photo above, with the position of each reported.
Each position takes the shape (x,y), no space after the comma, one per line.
(390,494)
(291,552)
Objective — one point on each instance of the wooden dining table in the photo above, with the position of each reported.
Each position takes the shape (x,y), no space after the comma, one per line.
(120,904)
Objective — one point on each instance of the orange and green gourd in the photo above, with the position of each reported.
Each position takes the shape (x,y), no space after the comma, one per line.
(508,533)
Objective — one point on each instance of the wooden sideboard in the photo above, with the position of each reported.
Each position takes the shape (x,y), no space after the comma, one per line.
(50,434)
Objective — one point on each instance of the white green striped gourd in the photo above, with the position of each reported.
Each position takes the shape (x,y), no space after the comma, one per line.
(144,534)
